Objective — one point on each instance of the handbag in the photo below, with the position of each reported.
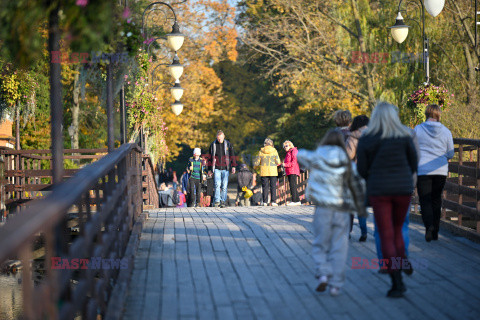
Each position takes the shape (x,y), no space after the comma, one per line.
(357,188)
(281,171)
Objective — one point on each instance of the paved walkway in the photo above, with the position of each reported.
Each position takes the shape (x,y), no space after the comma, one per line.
(254,263)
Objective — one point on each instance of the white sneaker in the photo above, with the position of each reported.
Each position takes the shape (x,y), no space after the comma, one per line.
(334,291)
(265,204)
(274,204)
(322,284)
(296,204)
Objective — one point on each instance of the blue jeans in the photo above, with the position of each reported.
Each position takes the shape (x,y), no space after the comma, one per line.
(221,183)
(406,239)
(362,222)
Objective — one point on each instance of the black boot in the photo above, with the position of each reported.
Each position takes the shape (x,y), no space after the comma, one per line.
(429,233)
(398,288)
(407,267)
(435,234)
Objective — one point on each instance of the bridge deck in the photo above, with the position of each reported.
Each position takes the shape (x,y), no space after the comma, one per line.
(255,263)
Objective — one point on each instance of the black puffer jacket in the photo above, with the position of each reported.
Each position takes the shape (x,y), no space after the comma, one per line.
(387,164)
(245,178)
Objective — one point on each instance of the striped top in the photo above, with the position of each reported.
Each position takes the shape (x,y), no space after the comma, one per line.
(196,168)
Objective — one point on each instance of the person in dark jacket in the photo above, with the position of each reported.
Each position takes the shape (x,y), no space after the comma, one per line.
(221,161)
(387,159)
(184,179)
(244,179)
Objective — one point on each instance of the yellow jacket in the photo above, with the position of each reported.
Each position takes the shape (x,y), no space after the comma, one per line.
(267,160)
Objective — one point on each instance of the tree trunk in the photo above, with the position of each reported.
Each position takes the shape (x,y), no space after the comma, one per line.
(363,49)
(74,127)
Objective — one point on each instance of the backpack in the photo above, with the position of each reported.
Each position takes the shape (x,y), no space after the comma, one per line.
(175,198)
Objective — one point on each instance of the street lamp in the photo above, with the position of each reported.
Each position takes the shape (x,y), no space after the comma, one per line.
(434,7)
(175,38)
(175,41)
(400,29)
(176,68)
(177,91)
(177,107)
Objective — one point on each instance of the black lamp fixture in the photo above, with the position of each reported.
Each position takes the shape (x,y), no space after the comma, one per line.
(400,30)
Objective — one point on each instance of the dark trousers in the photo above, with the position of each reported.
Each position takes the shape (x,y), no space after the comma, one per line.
(429,190)
(193,190)
(292,181)
(390,212)
(269,184)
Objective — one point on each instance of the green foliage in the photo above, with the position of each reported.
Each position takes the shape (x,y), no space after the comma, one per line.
(421,98)
(305,128)
(87,27)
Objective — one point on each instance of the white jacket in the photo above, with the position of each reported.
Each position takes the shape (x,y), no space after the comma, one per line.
(327,183)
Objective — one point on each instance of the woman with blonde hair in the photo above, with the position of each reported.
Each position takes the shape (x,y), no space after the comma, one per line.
(292,171)
(268,161)
(387,159)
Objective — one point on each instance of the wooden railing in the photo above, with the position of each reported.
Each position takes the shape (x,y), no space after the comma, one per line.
(461,197)
(149,186)
(28,174)
(283,191)
(77,257)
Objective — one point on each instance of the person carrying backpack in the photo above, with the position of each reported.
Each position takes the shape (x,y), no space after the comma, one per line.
(197,170)
(245,180)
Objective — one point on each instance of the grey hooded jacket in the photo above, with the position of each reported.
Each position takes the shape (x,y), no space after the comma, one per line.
(333,180)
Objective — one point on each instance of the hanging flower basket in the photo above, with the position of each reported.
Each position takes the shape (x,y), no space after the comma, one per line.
(424,96)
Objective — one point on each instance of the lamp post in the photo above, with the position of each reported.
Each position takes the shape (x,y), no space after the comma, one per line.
(175,38)
(175,41)
(400,29)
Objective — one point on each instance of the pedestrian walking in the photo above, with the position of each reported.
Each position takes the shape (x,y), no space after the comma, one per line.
(197,168)
(222,160)
(336,189)
(358,126)
(184,179)
(292,171)
(436,148)
(387,159)
(268,161)
(343,119)
(244,180)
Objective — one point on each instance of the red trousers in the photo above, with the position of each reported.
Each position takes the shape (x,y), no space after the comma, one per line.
(390,212)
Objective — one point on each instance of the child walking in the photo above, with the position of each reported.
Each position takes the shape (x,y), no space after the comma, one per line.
(336,189)
(197,170)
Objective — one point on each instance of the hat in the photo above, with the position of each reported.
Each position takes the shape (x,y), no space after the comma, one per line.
(197,151)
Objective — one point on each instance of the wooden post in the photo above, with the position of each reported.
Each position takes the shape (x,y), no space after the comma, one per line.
(478,186)
(460,180)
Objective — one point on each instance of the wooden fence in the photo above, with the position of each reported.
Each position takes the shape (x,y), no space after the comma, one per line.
(149,186)
(27,175)
(78,269)
(283,191)
(461,196)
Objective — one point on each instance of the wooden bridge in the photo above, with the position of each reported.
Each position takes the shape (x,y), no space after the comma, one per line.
(209,263)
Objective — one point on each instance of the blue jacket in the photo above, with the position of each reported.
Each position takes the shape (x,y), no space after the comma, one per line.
(436,148)
(185,178)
